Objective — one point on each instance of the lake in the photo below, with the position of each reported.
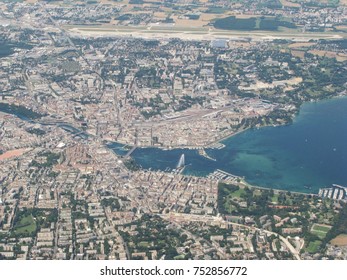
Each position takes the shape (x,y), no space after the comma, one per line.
(304,156)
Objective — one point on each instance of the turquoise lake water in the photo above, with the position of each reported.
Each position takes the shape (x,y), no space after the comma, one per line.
(303,156)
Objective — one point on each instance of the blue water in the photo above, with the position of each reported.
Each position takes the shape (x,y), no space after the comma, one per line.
(304,156)
(7,48)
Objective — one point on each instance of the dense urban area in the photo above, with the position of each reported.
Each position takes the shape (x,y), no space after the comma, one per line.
(78,76)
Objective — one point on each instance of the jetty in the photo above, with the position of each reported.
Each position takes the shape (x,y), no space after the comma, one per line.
(221,175)
(203,153)
(335,192)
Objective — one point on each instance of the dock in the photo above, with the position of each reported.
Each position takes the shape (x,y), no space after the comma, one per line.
(217,146)
(335,192)
(221,175)
(203,153)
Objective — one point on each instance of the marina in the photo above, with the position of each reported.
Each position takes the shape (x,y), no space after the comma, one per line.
(334,192)
(226,177)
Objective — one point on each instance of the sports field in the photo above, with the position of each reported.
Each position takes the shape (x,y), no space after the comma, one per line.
(320,230)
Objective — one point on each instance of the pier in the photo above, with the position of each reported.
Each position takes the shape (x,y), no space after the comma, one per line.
(335,192)
(221,175)
(216,145)
(203,153)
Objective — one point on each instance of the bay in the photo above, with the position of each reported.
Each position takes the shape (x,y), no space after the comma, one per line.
(304,156)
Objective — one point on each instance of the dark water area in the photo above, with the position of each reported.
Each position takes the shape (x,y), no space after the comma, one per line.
(309,154)
(303,156)
(7,48)
(30,116)
(119,149)
(19,111)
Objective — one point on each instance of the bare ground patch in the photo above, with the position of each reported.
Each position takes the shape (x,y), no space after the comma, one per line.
(160,15)
(208,17)
(296,53)
(13,153)
(301,45)
(341,27)
(340,240)
(289,4)
(188,22)
(338,56)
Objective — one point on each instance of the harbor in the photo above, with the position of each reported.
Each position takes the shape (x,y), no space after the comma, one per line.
(296,157)
(224,176)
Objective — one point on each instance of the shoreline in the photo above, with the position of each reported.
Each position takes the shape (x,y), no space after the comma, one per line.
(232,134)
(299,190)
(246,184)
(229,135)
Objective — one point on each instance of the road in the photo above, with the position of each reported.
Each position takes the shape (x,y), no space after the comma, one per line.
(192,217)
(162,32)
(196,238)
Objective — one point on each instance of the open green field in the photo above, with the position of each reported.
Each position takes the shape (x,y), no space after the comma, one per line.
(216,10)
(320,230)
(320,234)
(238,193)
(274,198)
(144,244)
(25,225)
(179,257)
(313,247)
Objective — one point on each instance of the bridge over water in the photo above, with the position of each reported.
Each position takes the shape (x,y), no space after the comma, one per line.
(128,154)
